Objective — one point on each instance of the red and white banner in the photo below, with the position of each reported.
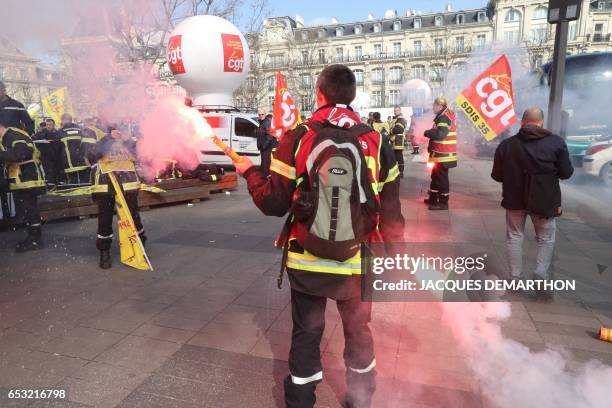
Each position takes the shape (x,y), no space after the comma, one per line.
(233,53)
(285,115)
(488,101)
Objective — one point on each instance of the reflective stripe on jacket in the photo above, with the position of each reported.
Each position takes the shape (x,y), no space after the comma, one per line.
(443,144)
(22,160)
(111,155)
(73,156)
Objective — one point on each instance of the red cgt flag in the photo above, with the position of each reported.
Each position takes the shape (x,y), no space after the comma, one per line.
(285,115)
(488,101)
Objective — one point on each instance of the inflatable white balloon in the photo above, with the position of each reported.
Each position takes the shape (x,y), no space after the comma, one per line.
(417,93)
(209,57)
(361,101)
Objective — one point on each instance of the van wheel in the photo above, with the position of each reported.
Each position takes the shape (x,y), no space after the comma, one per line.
(606,174)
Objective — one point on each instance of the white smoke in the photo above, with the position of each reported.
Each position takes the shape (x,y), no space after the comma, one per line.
(510,375)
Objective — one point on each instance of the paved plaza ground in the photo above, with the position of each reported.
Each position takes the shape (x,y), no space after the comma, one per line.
(209,328)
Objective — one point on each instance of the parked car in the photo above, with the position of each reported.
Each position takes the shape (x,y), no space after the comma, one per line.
(598,161)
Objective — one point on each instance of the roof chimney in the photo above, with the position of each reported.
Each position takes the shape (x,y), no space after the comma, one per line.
(449,8)
(371,17)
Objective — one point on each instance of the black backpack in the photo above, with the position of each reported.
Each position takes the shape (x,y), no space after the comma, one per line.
(542,193)
(335,208)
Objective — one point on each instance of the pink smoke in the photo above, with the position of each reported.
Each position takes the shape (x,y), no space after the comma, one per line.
(174,131)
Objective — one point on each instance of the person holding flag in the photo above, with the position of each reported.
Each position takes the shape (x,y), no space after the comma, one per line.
(112,155)
(442,150)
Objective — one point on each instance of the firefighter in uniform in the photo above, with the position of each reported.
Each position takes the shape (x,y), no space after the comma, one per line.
(20,157)
(73,164)
(14,113)
(380,126)
(113,152)
(442,150)
(398,137)
(314,279)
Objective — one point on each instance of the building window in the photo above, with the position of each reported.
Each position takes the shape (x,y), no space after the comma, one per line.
(377,28)
(271,83)
(270,103)
(395,75)
(418,71)
(304,35)
(377,50)
(571,36)
(436,73)
(397,25)
(377,76)
(394,97)
(513,16)
(321,56)
(358,76)
(481,41)
(540,13)
(511,37)
(438,46)
(459,44)
(397,49)
(1,72)
(482,17)
(598,35)
(460,19)
(339,54)
(539,34)
(358,29)
(438,21)
(305,102)
(23,75)
(305,80)
(417,23)
(358,52)
(339,31)
(305,57)
(321,33)
(251,82)
(418,48)
(377,101)
(601,5)
(276,61)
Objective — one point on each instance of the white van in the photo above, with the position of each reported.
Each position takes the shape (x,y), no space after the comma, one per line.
(237,129)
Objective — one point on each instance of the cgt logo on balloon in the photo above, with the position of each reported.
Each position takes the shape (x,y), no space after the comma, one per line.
(233,53)
(488,101)
(175,55)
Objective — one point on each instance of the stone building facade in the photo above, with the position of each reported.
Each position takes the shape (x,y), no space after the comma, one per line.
(385,52)
(26,78)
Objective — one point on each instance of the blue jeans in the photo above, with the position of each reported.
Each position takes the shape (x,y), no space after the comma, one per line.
(545,237)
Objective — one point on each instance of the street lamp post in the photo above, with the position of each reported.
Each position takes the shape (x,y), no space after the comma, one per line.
(560,12)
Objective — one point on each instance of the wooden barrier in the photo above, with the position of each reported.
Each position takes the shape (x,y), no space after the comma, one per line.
(177,191)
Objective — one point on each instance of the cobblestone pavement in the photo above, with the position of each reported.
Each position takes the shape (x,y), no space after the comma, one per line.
(209,328)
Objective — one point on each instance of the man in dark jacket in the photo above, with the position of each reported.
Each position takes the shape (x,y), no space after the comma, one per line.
(20,158)
(14,113)
(547,154)
(47,142)
(314,278)
(72,159)
(265,141)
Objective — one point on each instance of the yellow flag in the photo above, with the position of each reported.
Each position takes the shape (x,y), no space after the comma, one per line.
(130,246)
(56,104)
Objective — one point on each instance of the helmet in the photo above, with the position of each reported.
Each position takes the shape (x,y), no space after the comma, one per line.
(440,100)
